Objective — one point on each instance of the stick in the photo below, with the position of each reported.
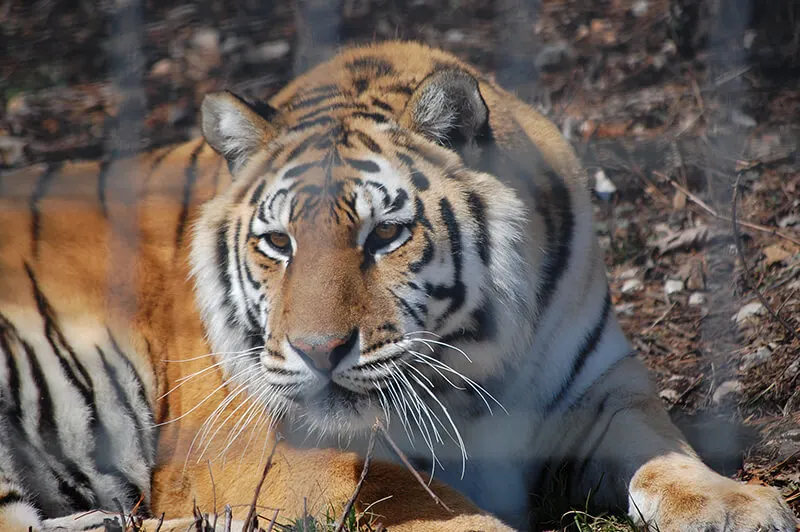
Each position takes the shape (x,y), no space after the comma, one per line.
(738,241)
(228,518)
(272,521)
(250,520)
(349,506)
(715,214)
(408,465)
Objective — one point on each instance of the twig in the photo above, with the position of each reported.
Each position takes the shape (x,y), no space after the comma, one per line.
(250,520)
(124,522)
(213,493)
(272,521)
(408,465)
(715,214)
(349,506)
(738,241)
(161,522)
(785,461)
(686,392)
(228,518)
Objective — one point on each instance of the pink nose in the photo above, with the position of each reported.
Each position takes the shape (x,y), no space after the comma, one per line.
(324,351)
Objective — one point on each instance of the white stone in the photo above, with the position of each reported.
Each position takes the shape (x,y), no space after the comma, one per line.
(630,273)
(625,309)
(725,389)
(639,8)
(697,299)
(603,186)
(632,285)
(750,360)
(748,311)
(669,394)
(673,286)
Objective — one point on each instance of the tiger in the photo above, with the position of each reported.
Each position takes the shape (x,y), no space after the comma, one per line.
(393,244)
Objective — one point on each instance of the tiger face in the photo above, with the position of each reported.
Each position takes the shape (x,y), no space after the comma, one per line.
(347,264)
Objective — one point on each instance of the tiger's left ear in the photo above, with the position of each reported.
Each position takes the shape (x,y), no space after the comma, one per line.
(448,108)
(235,129)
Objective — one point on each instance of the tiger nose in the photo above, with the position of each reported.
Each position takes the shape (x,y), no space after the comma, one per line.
(324,352)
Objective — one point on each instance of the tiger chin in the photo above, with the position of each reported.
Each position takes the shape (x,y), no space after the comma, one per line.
(391,237)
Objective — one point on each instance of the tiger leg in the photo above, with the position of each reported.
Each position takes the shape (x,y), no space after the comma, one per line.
(630,454)
(318,482)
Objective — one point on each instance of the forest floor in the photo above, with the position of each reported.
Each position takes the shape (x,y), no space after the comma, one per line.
(668,110)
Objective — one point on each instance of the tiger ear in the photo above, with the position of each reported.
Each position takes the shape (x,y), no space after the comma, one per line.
(448,108)
(234,128)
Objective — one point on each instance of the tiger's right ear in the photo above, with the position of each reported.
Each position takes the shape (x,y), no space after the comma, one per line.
(234,128)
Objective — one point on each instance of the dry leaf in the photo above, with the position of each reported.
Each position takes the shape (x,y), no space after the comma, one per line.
(774,254)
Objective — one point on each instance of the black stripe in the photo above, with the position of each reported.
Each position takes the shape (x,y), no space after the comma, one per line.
(380,187)
(478,211)
(11,498)
(375,117)
(402,89)
(190,177)
(419,180)
(408,310)
(253,320)
(383,105)
(222,263)
(39,192)
(302,147)
(375,65)
(558,244)
(586,349)
(102,178)
(77,487)
(367,141)
(6,332)
(157,160)
(457,292)
(399,201)
(319,121)
(370,167)
(405,159)
(256,195)
(299,170)
(331,107)
(325,92)
(122,398)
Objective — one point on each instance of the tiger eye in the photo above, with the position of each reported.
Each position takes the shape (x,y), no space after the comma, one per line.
(387,231)
(279,240)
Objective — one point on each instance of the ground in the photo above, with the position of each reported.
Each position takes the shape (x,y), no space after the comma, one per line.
(670,103)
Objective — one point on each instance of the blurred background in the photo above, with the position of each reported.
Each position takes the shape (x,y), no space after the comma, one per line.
(669,103)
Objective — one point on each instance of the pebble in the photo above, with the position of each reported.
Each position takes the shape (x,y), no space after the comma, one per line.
(697,299)
(639,8)
(751,360)
(748,311)
(669,394)
(269,51)
(725,389)
(673,286)
(630,273)
(625,309)
(741,119)
(632,285)
(603,186)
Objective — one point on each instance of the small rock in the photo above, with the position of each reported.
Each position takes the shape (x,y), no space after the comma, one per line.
(162,68)
(206,38)
(743,120)
(793,434)
(639,8)
(669,394)
(725,389)
(553,55)
(12,151)
(625,309)
(747,40)
(692,274)
(454,36)
(748,311)
(789,221)
(631,285)
(673,286)
(697,299)
(751,360)
(792,370)
(603,186)
(630,273)
(269,51)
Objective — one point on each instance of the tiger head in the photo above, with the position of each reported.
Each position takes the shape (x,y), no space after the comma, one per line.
(357,263)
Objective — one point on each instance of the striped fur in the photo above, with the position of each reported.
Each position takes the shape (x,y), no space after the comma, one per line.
(479,330)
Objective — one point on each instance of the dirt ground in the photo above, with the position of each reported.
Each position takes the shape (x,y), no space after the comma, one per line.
(670,103)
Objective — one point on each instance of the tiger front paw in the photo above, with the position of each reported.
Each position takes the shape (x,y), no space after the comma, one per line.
(677,493)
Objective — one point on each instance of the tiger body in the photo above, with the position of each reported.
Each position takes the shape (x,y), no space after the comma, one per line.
(393,237)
